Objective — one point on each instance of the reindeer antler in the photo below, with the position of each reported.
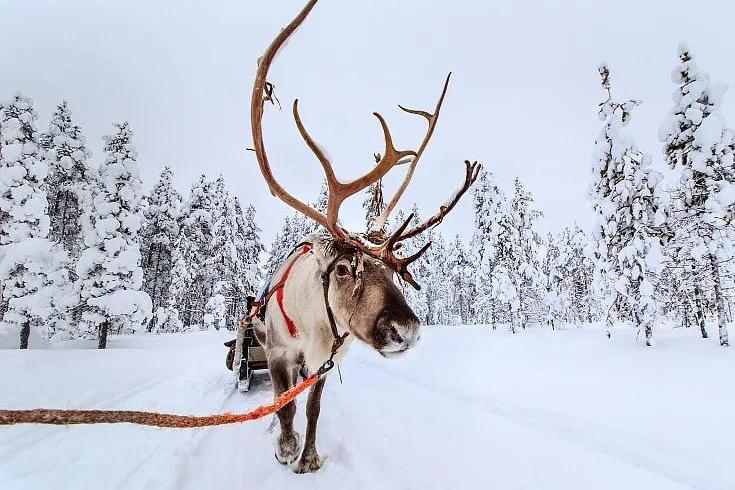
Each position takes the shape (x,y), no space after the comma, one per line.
(472,170)
(338,191)
(379,223)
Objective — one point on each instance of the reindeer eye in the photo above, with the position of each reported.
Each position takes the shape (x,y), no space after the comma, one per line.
(342,270)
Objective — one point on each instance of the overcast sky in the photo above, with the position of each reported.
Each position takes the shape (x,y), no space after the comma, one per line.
(522,99)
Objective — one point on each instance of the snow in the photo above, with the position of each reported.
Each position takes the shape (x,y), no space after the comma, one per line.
(122,302)
(469,407)
(708,133)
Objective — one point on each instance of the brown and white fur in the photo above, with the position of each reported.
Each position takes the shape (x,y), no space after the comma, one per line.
(376,314)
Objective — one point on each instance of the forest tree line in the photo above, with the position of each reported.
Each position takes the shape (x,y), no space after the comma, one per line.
(87,253)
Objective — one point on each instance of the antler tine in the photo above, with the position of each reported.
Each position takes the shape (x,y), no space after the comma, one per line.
(338,191)
(400,265)
(257,103)
(389,245)
(391,157)
(432,120)
(412,258)
(315,148)
(472,170)
(406,275)
(387,249)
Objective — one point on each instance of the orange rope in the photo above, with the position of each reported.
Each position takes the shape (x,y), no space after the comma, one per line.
(69,417)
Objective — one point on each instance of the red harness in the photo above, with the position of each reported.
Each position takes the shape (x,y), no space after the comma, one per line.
(279,293)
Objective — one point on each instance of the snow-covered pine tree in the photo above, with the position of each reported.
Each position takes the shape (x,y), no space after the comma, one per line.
(460,281)
(233,263)
(576,269)
(249,249)
(438,297)
(37,291)
(699,145)
(527,243)
(504,280)
(24,173)
(675,289)
(555,301)
(294,229)
(221,263)
(305,226)
(67,157)
(158,237)
(193,248)
(623,196)
(283,242)
(489,208)
(373,205)
(487,203)
(169,319)
(109,269)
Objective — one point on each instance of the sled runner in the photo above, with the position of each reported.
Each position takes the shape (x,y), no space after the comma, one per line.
(252,357)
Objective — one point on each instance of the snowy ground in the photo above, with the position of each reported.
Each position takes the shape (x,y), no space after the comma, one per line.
(538,410)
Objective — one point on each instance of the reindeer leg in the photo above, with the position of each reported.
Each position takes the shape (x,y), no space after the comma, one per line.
(310,460)
(288,443)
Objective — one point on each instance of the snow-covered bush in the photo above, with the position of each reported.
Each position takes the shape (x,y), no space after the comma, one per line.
(167,319)
(215,312)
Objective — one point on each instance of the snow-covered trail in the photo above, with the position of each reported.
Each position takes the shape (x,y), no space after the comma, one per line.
(566,409)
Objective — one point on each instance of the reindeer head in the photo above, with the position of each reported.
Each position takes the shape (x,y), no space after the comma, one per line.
(364,296)
(360,268)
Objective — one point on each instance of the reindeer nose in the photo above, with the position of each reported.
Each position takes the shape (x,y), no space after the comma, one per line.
(400,336)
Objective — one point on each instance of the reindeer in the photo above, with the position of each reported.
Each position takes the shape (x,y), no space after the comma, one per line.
(337,287)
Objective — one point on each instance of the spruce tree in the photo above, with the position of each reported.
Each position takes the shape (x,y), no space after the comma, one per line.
(249,248)
(373,205)
(525,257)
(624,197)
(460,281)
(109,269)
(36,287)
(489,208)
(698,144)
(178,301)
(67,157)
(576,269)
(194,248)
(552,267)
(294,229)
(438,296)
(158,238)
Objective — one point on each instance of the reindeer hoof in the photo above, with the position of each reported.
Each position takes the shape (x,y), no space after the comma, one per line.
(288,447)
(309,463)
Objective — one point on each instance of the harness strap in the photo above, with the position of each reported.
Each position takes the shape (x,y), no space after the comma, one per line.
(278,290)
(292,330)
(325,287)
(258,307)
